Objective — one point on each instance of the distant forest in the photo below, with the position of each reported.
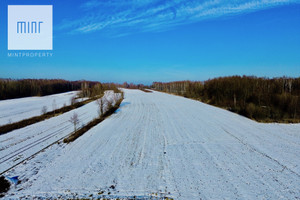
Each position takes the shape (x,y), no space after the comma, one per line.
(262,99)
(10,88)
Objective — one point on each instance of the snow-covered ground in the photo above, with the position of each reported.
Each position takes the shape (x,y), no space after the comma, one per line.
(14,110)
(19,144)
(160,144)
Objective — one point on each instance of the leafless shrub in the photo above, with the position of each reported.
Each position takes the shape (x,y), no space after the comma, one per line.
(115,98)
(74,120)
(44,110)
(109,104)
(100,102)
(73,100)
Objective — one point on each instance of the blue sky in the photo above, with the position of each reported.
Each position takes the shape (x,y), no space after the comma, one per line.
(142,41)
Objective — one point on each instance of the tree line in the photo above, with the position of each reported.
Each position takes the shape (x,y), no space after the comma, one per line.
(133,86)
(97,89)
(263,99)
(11,88)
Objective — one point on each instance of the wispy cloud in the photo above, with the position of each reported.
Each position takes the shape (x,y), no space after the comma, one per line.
(122,17)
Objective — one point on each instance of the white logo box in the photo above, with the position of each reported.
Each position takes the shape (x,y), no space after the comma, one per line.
(30,27)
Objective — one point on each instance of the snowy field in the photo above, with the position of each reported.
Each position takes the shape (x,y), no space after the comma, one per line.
(163,145)
(19,144)
(14,110)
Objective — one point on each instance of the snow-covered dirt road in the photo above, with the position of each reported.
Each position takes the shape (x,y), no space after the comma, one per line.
(163,144)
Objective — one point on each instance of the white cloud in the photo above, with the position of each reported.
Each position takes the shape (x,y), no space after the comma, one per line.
(125,16)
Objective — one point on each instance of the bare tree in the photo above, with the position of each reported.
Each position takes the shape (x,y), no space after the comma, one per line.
(74,120)
(100,102)
(44,110)
(108,104)
(116,97)
(73,100)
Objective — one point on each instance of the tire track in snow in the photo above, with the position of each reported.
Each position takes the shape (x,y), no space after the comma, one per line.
(261,153)
(16,156)
(25,147)
(42,132)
